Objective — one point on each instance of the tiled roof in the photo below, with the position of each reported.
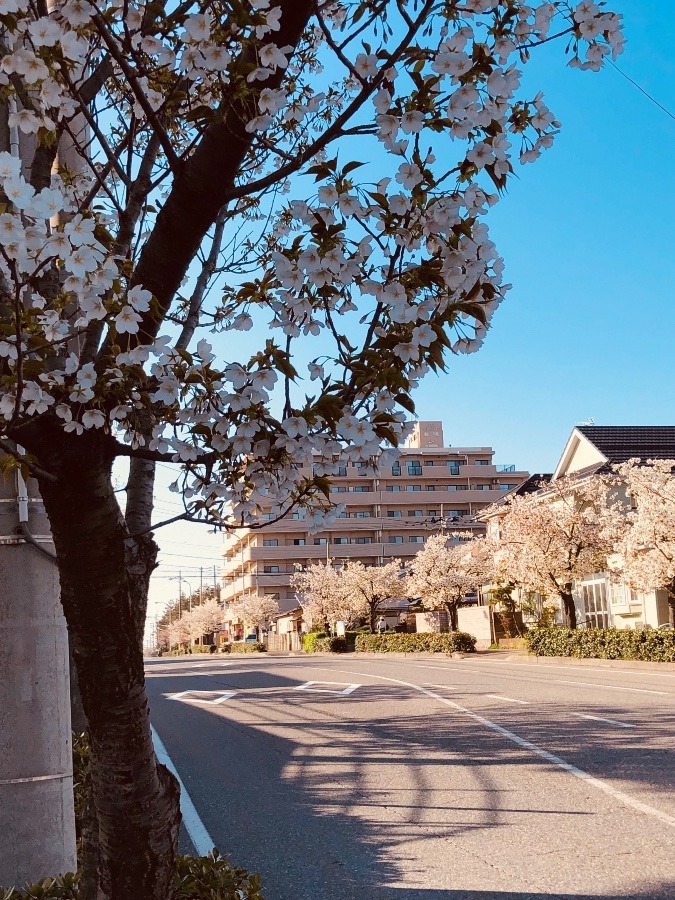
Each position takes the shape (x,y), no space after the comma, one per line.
(533,484)
(621,442)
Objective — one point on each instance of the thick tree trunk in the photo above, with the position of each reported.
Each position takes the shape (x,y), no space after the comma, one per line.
(569,610)
(104,577)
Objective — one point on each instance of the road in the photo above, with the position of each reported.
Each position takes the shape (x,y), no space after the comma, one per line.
(347,777)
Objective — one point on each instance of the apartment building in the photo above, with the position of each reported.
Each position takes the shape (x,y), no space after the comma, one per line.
(432,487)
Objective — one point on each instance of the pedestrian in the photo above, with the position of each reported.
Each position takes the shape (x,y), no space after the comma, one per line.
(381,625)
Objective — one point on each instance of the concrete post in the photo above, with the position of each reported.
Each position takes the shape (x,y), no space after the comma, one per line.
(36,778)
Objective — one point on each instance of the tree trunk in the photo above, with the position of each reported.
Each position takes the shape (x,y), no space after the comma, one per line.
(104,577)
(453,620)
(568,608)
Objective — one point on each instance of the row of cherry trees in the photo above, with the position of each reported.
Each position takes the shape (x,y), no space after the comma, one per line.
(439,577)
(543,542)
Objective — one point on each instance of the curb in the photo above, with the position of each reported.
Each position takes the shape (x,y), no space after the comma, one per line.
(637,664)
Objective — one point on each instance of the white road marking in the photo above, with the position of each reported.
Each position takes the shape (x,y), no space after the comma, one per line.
(509,699)
(212,696)
(612,687)
(587,778)
(600,719)
(444,668)
(306,687)
(450,687)
(202,840)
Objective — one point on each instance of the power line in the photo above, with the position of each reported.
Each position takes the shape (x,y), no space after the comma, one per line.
(642,90)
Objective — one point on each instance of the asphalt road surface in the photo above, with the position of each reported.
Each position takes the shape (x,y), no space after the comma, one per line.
(351,778)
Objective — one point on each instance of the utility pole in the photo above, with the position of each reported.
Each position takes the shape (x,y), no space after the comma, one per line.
(37,821)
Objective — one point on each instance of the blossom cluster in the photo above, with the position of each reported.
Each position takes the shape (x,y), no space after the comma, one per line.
(379,270)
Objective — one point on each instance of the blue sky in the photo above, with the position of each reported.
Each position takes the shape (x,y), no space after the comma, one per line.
(588,237)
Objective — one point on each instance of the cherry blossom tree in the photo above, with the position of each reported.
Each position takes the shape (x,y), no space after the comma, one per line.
(441,575)
(178,178)
(203,619)
(550,539)
(644,532)
(323,595)
(369,586)
(256,609)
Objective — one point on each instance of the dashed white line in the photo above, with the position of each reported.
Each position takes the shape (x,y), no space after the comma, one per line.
(508,699)
(600,719)
(612,687)
(588,779)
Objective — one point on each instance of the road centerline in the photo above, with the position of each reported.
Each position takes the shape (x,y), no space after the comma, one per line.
(612,687)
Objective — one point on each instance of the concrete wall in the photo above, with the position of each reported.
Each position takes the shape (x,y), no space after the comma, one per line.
(36,786)
(475,620)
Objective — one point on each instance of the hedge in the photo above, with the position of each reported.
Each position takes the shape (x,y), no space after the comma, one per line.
(248,647)
(197,877)
(395,642)
(320,642)
(597,643)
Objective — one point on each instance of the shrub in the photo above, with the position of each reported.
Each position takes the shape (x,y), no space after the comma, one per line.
(248,647)
(597,643)
(309,640)
(393,642)
(320,642)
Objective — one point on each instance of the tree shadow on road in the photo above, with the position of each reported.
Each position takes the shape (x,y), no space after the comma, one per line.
(381,795)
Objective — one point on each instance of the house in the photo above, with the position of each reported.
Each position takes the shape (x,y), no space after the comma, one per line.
(601,600)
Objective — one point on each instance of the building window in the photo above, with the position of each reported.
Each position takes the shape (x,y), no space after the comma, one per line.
(458,487)
(414,468)
(362,514)
(360,489)
(361,468)
(482,487)
(321,542)
(506,487)
(396,469)
(455,513)
(413,487)
(393,513)
(416,539)
(363,540)
(344,515)
(267,517)
(431,487)
(432,512)
(299,542)
(428,462)
(270,542)
(482,462)
(394,488)
(341,540)
(338,489)
(300,514)
(415,513)
(396,539)
(453,466)
(271,570)
(342,471)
